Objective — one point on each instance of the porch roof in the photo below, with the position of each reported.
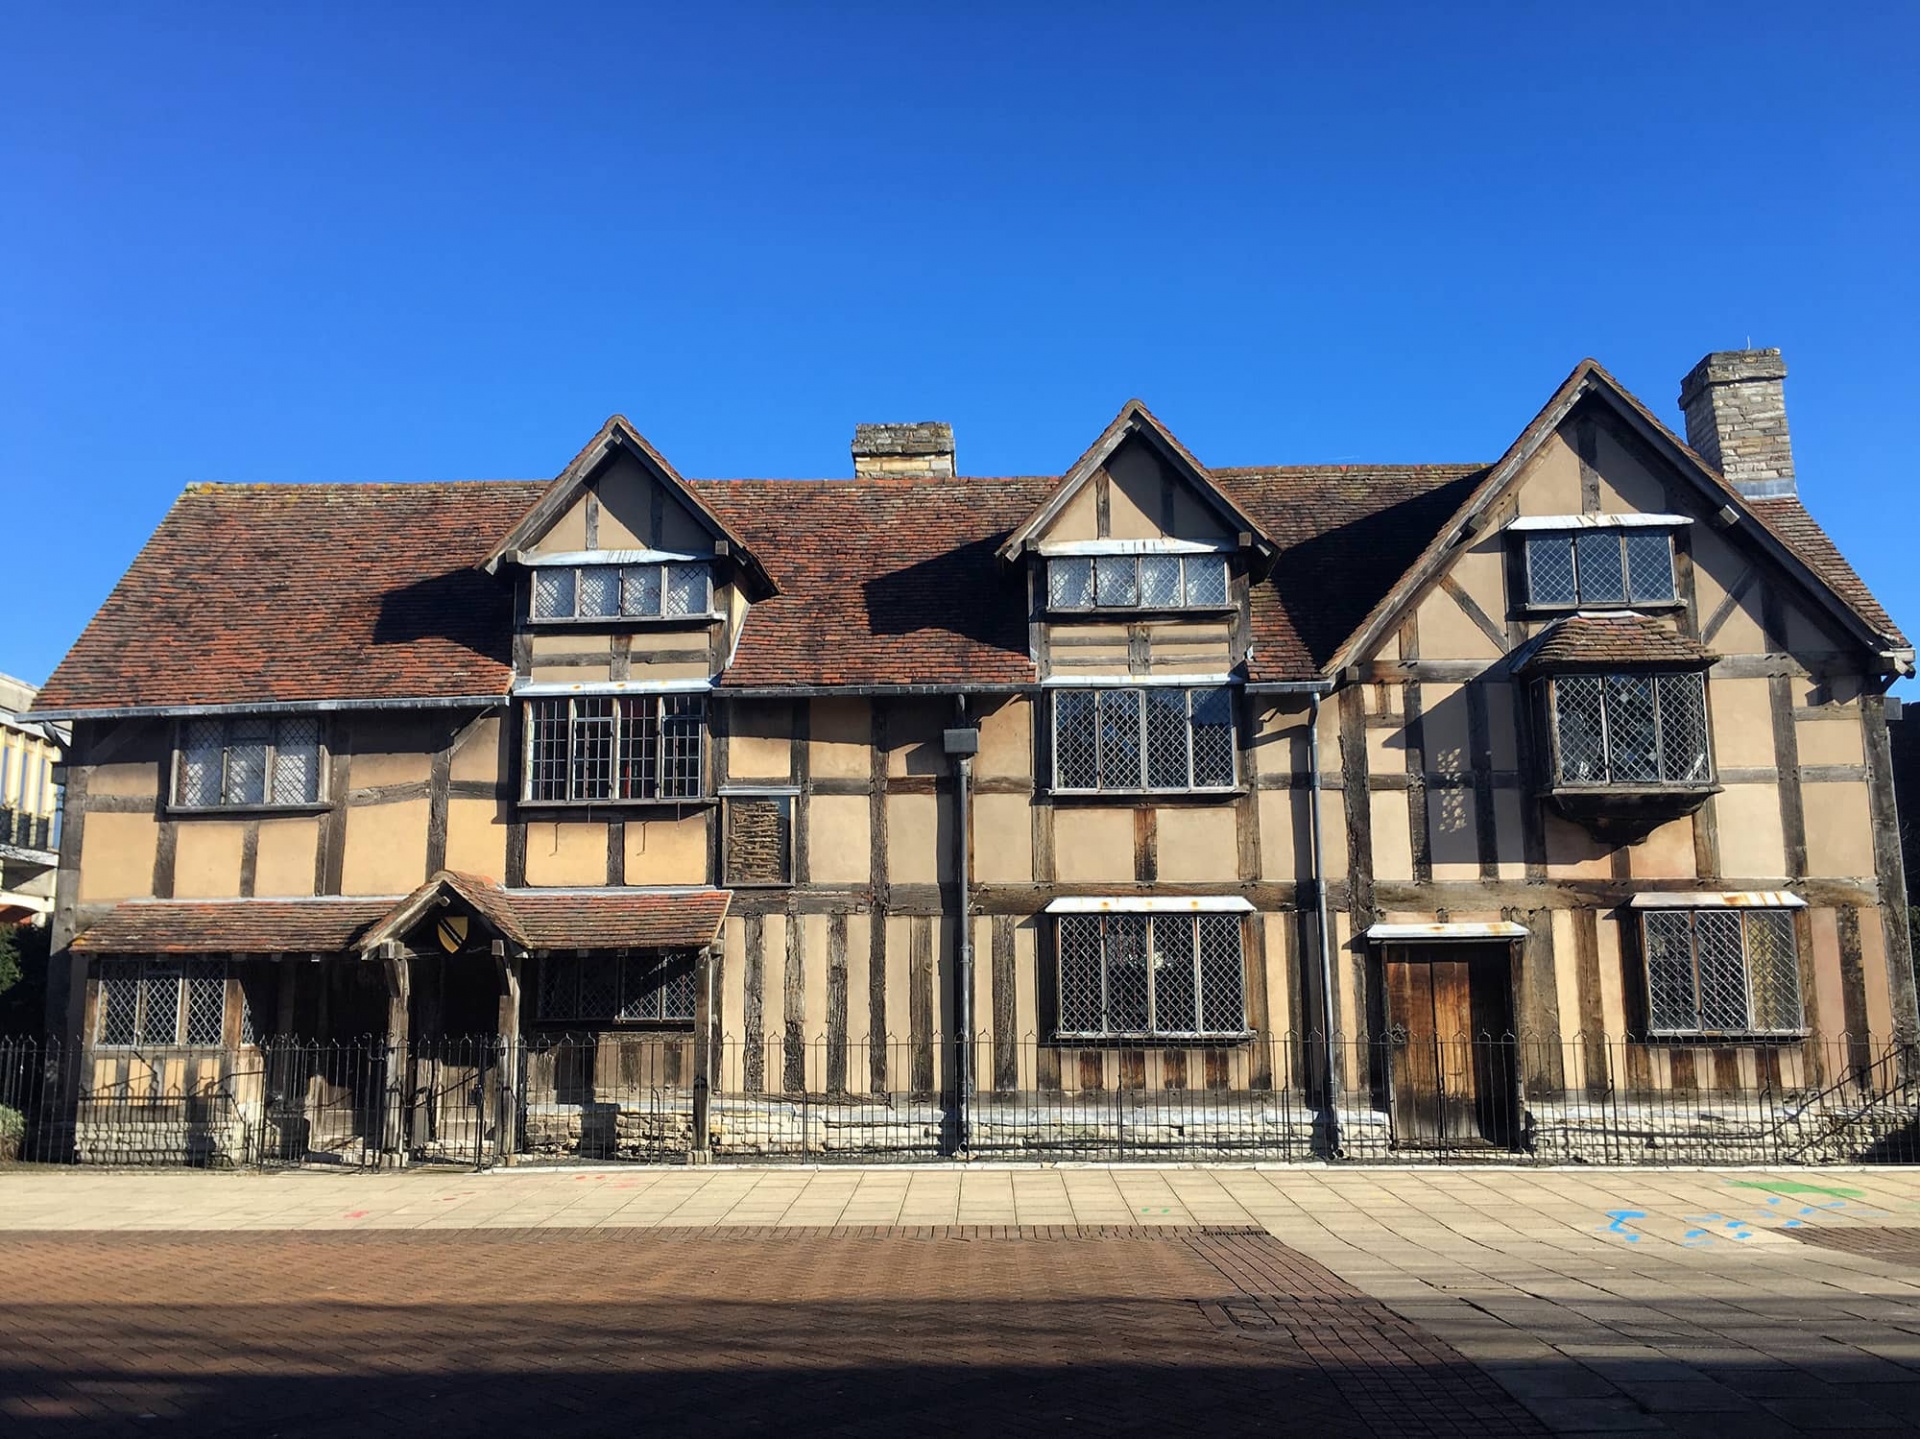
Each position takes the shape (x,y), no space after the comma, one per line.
(528,918)
(231,926)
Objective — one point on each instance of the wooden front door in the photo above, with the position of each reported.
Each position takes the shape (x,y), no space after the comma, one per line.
(1449,1016)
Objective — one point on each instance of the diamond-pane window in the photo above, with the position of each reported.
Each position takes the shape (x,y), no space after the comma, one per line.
(599,592)
(202,759)
(1187,737)
(559,988)
(640,590)
(1120,738)
(1601,570)
(686,590)
(1550,570)
(206,1001)
(1076,740)
(1650,565)
(1160,580)
(296,762)
(1070,584)
(246,781)
(119,1001)
(1137,582)
(1608,565)
(1630,729)
(1176,1003)
(1167,739)
(1129,975)
(1206,580)
(1115,580)
(1082,986)
(249,761)
(1722,971)
(160,1004)
(553,594)
(599,988)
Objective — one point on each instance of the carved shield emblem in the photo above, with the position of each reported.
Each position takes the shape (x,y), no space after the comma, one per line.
(452,931)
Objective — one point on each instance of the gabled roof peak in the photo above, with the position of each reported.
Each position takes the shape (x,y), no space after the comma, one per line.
(617,433)
(1135,419)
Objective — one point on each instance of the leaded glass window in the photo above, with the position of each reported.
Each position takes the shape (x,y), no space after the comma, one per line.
(615,747)
(1630,729)
(672,589)
(1150,738)
(1154,582)
(248,761)
(161,1003)
(1142,976)
(1596,567)
(610,989)
(1722,971)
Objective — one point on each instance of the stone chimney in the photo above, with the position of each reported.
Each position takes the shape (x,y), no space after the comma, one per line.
(1737,419)
(922,452)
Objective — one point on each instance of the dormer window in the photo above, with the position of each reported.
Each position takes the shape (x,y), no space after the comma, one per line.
(653,590)
(1603,562)
(1147,582)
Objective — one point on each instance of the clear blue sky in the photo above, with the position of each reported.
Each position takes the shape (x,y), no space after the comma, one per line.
(338,242)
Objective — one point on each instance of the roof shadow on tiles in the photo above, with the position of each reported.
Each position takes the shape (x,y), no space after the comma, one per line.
(466,607)
(1331,582)
(965,591)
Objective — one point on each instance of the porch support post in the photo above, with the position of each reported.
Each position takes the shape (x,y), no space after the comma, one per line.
(703,1052)
(507,1083)
(399,972)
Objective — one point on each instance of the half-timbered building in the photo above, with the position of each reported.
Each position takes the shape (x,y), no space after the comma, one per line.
(1539,806)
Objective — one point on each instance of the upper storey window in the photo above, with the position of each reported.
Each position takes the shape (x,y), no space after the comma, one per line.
(1124,582)
(243,762)
(615,747)
(1591,568)
(1630,729)
(1157,738)
(603,592)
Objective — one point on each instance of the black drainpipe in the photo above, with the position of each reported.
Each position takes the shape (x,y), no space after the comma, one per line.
(962,742)
(1329,1086)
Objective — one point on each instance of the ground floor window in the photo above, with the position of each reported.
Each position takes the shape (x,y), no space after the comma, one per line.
(631,989)
(164,1002)
(1722,971)
(1139,975)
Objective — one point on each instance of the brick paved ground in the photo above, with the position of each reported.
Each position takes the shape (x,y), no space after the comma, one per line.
(1601,1300)
(1063,1330)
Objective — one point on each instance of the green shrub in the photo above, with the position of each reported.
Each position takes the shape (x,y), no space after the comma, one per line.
(13,1124)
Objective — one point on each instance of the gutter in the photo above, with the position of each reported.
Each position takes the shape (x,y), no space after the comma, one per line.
(272,707)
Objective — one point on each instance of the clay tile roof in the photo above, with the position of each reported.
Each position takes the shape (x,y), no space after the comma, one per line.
(231,926)
(620,919)
(536,919)
(1608,641)
(1788,518)
(882,581)
(1347,533)
(251,593)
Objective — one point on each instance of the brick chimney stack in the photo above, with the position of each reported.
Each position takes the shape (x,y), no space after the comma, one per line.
(1737,419)
(920,452)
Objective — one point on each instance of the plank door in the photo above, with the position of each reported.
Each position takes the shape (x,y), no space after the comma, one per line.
(1430,1011)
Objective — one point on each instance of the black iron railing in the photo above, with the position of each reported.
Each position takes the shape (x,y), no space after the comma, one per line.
(660,1097)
